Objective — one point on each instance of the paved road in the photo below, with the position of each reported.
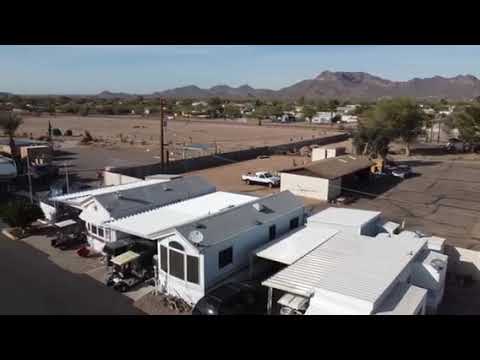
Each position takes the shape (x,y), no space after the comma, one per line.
(30,284)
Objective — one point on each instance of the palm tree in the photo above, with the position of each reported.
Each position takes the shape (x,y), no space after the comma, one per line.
(9,123)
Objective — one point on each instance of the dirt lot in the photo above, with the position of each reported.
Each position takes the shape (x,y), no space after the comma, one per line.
(146,132)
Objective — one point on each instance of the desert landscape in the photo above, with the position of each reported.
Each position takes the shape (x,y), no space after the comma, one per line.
(145,132)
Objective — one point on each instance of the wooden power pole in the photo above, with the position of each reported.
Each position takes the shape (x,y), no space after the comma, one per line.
(162,155)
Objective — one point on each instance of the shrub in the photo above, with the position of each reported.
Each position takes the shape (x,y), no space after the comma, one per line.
(56,132)
(20,213)
(69,133)
(87,138)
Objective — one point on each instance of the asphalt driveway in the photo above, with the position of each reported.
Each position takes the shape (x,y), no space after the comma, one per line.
(31,284)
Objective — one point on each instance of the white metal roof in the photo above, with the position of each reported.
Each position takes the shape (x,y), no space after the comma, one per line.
(65,223)
(77,197)
(352,265)
(125,258)
(294,245)
(151,224)
(405,299)
(342,216)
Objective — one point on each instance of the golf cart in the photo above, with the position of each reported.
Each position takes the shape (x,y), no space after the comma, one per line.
(69,234)
(132,267)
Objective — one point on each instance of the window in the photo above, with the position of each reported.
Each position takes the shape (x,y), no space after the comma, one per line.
(176,245)
(225,257)
(101,233)
(107,234)
(177,264)
(88,226)
(294,223)
(164,258)
(94,229)
(272,232)
(192,269)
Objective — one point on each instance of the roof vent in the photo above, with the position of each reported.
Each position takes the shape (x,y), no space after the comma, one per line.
(195,236)
(257,206)
(438,264)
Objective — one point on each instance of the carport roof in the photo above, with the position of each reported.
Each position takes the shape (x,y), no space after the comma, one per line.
(295,244)
(333,168)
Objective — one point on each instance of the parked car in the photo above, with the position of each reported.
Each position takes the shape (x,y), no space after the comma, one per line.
(456,145)
(237,298)
(261,177)
(402,171)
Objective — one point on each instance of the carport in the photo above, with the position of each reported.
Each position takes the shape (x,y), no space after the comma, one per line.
(289,248)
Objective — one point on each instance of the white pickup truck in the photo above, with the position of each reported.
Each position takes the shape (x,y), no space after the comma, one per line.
(261,177)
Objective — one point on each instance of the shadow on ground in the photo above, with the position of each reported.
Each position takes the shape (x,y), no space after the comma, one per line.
(32,285)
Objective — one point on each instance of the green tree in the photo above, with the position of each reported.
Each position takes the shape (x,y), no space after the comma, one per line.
(9,123)
(20,213)
(309,111)
(232,111)
(372,138)
(403,117)
(468,124)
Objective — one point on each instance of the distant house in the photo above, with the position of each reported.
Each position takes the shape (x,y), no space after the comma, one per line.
(347,109)
(323,117)
(349,118)
(199,103)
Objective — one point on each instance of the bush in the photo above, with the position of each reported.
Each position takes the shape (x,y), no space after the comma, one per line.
(69,133)
(20,213)
(87,138)
(56,132)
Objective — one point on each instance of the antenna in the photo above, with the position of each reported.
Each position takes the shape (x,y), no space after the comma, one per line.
(195,236)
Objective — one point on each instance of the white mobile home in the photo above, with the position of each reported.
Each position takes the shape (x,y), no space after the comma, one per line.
(200,255)
(108,204)
(341,263)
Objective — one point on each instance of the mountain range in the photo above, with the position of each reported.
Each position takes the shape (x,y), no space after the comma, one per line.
(339,85)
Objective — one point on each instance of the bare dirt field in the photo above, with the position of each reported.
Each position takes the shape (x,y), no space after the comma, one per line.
(143,132)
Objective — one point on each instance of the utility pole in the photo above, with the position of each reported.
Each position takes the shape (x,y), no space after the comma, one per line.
(439,129)
(66,178)
(29,178)
(162,158)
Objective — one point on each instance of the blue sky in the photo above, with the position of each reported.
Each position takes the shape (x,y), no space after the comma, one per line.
(89,69)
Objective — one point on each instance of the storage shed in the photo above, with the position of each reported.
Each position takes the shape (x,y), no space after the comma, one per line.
(324,179)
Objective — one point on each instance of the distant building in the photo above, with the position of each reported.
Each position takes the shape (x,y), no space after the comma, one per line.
(323,117)
(349,118)
(199,103)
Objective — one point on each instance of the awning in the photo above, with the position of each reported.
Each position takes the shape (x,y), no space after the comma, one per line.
(295,245)
(65,223)
(125,258)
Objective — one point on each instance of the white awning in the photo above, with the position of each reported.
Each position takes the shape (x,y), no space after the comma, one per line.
(295,245)
(125,258)
(65,223)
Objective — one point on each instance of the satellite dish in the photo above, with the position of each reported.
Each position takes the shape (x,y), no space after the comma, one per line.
(195,236)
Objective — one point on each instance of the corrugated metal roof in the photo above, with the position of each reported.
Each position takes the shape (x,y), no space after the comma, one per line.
(104,190)
(342,216)
(136,200)
(294,245)
(333,168)
(149,224)
(219,227)
(349,264)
